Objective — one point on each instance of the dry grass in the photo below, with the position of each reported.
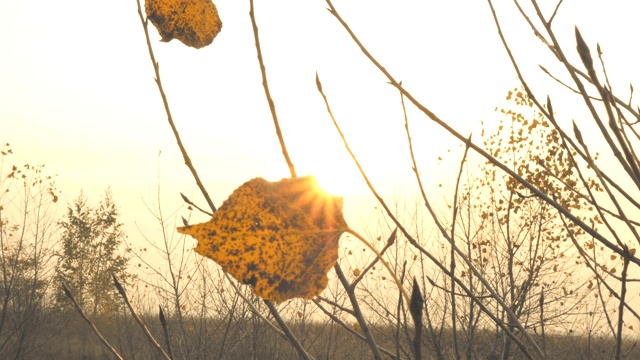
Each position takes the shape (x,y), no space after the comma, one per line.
(246,338)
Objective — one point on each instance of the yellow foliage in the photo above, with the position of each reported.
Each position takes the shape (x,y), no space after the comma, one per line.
(280,237)
(194,22)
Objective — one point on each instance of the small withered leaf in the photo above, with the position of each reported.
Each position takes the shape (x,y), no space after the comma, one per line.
(280,237)
(194,22)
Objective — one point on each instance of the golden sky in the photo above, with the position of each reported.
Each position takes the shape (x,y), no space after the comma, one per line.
(77,90)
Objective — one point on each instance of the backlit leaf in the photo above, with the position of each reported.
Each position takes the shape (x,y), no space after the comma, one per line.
(194,22)
(280,237)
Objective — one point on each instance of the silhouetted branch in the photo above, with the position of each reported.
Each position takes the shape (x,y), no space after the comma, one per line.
(165,328)
(152,340)
(165,102)
(265,84)
(93,327)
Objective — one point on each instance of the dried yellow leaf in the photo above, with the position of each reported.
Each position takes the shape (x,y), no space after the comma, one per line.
(194,22)
(280,237)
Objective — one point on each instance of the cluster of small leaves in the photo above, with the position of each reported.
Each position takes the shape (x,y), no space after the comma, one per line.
(24,181)
(521,241)
(31,176)
(534,150)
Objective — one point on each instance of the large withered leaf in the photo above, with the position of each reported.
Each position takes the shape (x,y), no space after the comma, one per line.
(194,22)
(281,237)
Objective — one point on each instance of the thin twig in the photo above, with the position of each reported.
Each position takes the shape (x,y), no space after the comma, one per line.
(415,243)
(555,11)
(606,96)
(165,102)
(390,241)
(542,324)
(350,231)
(292,339)
(188,162)
(594,270)
(152,340)
(565,84)
(272,107)
(453,255)
(585,56)
(186,199)
(384,263)
(566,141)
(607,190)
(254,310)
(93,327)
(348,328)
(475,147)
(623,294)
(265,84)
(285,153)
(336,305)
(587,61)
(358,313)
(589,200)
(453,225)
(399,311)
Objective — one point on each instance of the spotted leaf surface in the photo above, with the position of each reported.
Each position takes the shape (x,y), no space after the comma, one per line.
(194,22)
(280,237)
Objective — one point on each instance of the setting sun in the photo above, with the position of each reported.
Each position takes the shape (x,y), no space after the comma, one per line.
(340,181)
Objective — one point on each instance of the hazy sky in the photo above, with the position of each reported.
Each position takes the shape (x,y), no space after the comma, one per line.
(77,90)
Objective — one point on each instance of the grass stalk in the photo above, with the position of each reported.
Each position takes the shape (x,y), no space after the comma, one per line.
(543,334)
(165,328)
(623,293)
(416,306)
